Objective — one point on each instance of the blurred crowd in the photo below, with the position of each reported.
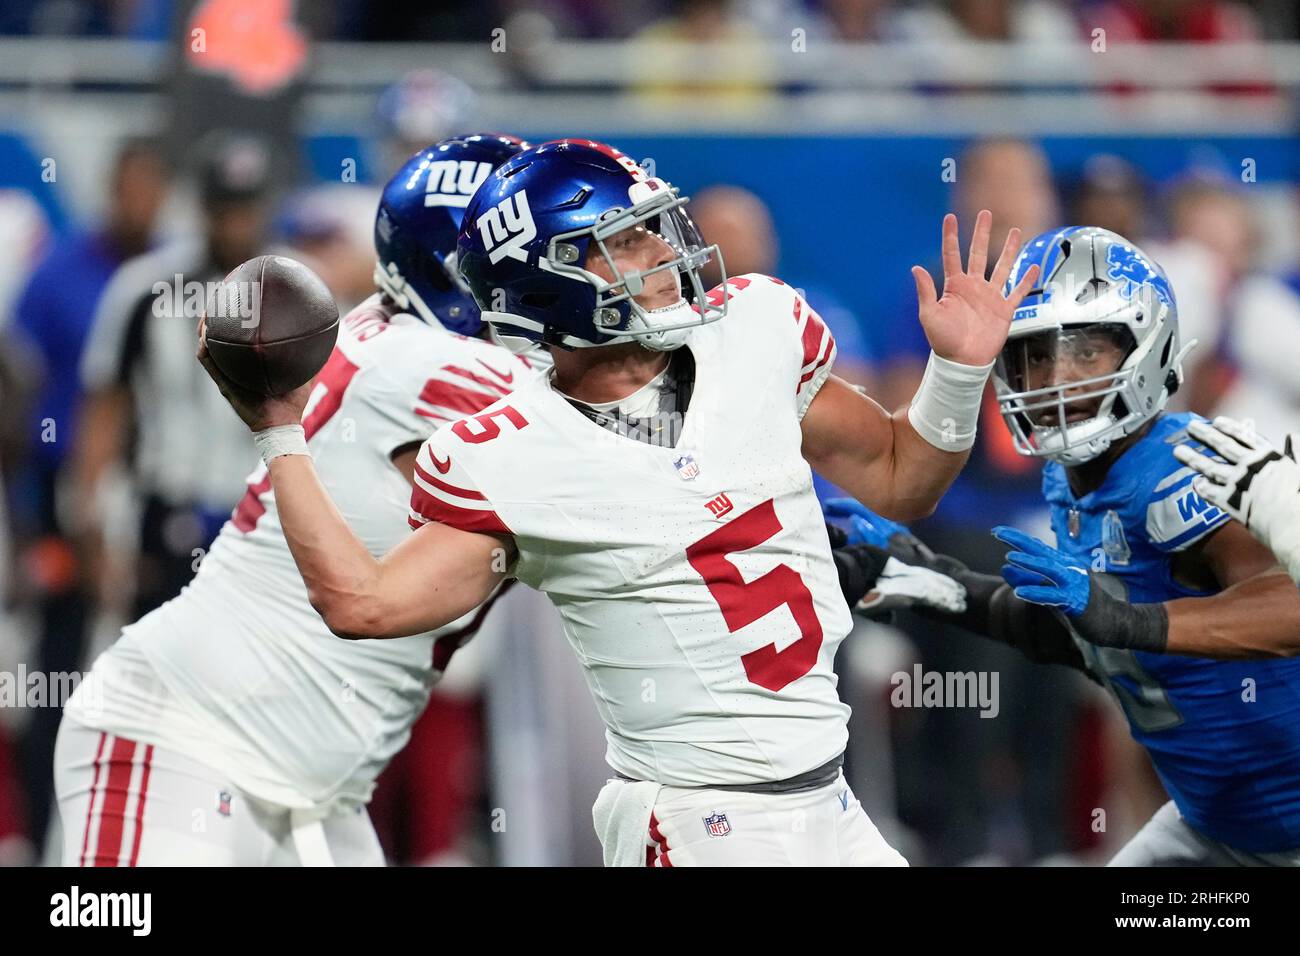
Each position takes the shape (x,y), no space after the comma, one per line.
(119,463)
(706,20)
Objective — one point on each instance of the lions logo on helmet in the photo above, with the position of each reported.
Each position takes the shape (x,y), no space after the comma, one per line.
(1134,272)
(1093,353)
(528,233)
(418,219)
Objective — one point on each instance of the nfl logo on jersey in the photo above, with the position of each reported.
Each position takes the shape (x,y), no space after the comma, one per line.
(717,824)
(686,467)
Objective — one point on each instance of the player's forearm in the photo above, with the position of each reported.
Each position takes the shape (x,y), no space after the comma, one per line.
(1258,618)
(340,573)
(932,438)
(920,472)
(1277,524)
(880,459)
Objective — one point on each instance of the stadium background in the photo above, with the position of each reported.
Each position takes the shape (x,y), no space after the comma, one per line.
(851,125)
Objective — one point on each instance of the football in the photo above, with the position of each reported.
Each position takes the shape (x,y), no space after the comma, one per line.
(271,324)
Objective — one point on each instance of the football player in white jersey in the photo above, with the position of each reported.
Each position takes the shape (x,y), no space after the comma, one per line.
(656,485)
(229,727)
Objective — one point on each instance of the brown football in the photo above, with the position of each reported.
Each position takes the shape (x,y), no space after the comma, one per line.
(271,324)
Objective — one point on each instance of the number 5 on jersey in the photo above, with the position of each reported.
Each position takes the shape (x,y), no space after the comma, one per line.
(743,604)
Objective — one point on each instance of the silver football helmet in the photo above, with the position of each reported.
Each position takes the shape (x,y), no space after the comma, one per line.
(1093,352)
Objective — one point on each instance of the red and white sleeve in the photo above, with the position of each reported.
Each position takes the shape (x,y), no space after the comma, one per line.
(818,353)
(443,490)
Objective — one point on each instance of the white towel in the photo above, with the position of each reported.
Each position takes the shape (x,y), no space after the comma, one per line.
(621,815)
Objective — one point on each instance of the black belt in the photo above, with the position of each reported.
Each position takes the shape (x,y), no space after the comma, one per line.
(813,779)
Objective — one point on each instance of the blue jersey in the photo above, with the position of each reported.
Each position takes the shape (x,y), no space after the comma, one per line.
(1224,735)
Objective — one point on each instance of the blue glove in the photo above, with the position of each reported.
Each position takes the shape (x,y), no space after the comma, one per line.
(1041,574)
(865,526)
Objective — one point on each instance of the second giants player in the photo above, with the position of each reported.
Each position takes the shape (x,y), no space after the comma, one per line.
(234,729)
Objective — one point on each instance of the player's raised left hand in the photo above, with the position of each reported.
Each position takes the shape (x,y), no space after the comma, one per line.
(968,324)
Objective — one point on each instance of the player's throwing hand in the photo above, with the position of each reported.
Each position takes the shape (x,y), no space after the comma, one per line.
(968,324)
(258,412)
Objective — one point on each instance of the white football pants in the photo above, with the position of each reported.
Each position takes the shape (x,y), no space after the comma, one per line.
(125,803)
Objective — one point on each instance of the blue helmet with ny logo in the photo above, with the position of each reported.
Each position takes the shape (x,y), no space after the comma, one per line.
(418,220)
(536,227)
(1093,352)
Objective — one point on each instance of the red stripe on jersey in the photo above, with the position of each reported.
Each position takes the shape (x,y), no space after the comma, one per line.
(481,380)
(450,489)
(250,507)
(139,805)
(116,790)
(813,331)
(90,807)
(458,398)
(826,354)
(465,519)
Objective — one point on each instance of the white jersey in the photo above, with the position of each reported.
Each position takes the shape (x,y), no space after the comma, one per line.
(695,582)
(239,670)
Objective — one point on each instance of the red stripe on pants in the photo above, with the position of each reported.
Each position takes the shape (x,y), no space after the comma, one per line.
(90,807)
(660,840)
(120,762)
(139,804)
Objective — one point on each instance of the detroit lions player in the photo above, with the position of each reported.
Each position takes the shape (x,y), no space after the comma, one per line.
(1151,589)
(232,727)
(656,485)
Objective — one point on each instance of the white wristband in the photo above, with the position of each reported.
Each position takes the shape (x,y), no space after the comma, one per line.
(946,407)
(281,440)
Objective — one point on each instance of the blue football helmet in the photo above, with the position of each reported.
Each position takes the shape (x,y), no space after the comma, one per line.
(528,231)
(418,219)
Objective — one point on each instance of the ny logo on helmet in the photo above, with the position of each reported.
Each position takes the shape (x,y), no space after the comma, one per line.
(507,227)
(452,182)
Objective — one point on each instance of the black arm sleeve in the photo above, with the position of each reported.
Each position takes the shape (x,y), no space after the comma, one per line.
(993,611)
(859,566)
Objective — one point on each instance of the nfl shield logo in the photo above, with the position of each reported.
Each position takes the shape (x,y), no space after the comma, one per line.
(717,824)
(686,467)
(223,802)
